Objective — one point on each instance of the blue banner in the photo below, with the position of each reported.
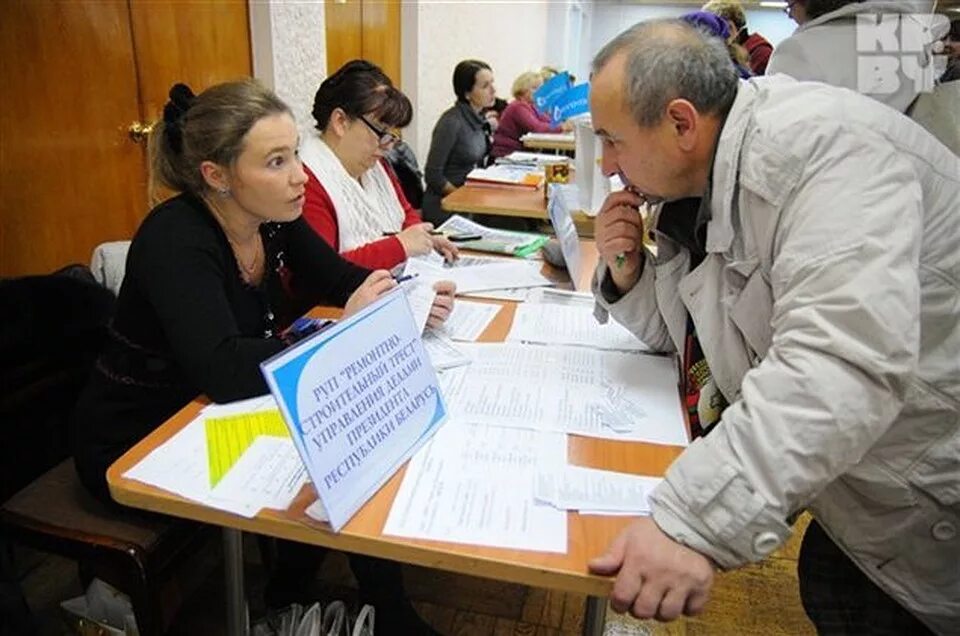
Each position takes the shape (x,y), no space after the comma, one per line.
(550,90)
(575,101)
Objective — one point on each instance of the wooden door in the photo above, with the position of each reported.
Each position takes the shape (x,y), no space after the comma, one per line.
(368,29)
(76,74)
(197,43)
(69,175)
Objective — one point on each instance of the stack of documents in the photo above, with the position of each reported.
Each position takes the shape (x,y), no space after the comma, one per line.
(548,138)
(522,244)
(503,273)
(509,175)
(532,159)
(224,464)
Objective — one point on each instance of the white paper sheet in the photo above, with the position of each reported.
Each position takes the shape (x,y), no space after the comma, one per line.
(594,491)
(474,485)
(469,319)
(518,295)
(532,158)
(269,471)
(605,394)
(420,295)
(549,137)
(551,296)
(251,405)
(506,273)
(569,325)
(444,354)
(457,224)
(181,466)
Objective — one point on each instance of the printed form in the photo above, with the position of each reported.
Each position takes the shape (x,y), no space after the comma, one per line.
(605,394)
(269,472)
(469,319)
(475,485)
(551,323)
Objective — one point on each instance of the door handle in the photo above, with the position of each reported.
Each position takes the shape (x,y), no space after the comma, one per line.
(139,131)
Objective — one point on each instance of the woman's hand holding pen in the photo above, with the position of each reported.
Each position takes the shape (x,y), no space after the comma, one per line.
(442,303)
(417,240)
(619,235)
(376,284)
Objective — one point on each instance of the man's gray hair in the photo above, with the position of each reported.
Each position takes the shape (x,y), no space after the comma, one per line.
(669,59)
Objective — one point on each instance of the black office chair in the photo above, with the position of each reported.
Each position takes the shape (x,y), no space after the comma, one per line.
(53,329)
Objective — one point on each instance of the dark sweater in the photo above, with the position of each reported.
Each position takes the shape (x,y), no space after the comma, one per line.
(459,144)
(187,324)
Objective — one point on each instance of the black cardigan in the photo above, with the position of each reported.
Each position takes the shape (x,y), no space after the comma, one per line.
(187,324)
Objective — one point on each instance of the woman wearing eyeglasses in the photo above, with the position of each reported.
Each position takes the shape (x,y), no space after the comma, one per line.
(353,199)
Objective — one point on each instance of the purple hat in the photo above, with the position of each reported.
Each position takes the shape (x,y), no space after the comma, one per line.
(708,22)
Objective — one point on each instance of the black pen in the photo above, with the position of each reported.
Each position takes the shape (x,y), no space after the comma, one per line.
(432,232)
(404,277)
(461,238)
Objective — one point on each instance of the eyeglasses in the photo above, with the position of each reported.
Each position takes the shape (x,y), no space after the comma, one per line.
(385,138)
(787,9)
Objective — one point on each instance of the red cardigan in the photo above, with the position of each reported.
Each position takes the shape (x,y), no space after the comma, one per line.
(320,214)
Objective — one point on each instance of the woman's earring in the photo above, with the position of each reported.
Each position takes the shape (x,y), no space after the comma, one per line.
(224,191)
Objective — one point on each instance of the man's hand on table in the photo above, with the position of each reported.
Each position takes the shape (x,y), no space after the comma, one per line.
(656,576)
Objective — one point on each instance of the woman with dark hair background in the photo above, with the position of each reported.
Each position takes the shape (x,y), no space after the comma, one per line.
(354,200)
(461,138)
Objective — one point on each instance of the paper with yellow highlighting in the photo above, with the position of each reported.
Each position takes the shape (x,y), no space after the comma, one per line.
(230,436)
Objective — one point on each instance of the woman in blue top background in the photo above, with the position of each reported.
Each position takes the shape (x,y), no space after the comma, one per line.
(461,137)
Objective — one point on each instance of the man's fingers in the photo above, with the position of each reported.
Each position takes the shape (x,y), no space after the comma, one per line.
(624,197)
(648,601)
(696,601)
(672,604)
(625,590)
(617,216)
(611,560)
(619,246)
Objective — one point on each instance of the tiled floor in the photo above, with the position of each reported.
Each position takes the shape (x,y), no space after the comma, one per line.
(761,600)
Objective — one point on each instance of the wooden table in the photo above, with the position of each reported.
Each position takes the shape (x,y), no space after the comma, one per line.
(564,145)
(505,201)
(588,536)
